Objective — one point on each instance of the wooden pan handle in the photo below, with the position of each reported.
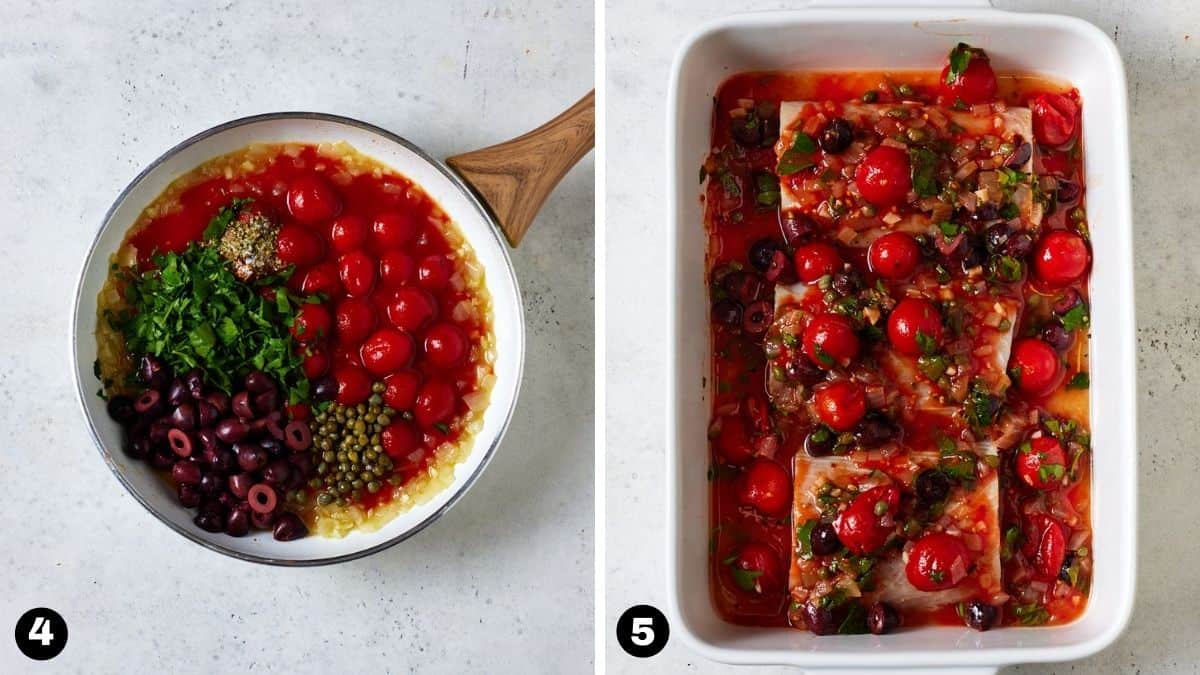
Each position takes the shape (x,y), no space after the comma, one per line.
(515,177)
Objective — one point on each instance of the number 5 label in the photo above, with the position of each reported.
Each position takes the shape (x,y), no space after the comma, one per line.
(642,631)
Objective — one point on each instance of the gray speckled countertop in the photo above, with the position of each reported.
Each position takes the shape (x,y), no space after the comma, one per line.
(94,92)
(1160,42)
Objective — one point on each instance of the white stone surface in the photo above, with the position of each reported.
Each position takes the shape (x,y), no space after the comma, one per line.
(92,92)
(1159,42)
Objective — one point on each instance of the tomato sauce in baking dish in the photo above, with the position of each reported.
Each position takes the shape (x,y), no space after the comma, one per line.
(297,331)
(897,269)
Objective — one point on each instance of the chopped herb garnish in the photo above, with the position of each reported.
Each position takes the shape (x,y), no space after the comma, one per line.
(960,58)
(950,230)
(924,172)
(1032,614)
(1079,381)
(1076,318)
(926,342)
(768,188)
(747,580)
(1009,211)
(804,537)
(855,622)
(980,407)
(1012,539)
(797,157)
(1051,473)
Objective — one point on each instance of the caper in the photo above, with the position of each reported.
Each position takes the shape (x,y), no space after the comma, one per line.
(329,456)
(371,455)
(378,470)
(360,426)
(323,468)
(363,439)
(366,476)
(379,387)
(343,502)
(374,486)
(325,499)
(314,483)
(356,483)
(361,408)
(383,419)
(389,411)
(343,487)
(371,417)
(352,456)
(915,135)
(905,90)
(395,480)
(375,399)
(342,467)
(870,96)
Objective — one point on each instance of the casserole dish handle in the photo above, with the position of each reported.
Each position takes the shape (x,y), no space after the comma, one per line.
(514,177)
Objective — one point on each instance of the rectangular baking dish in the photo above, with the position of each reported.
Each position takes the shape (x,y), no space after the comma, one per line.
(888,36)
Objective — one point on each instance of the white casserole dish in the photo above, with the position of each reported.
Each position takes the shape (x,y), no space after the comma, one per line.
(887,36)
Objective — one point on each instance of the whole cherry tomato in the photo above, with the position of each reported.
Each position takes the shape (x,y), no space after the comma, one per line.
(767,487)
(435,403)
(758,569)
(864,525)
(976,84)
(386,351)
(396,268)
(356,270)
(1042,463)
(402,387)
(312,323)
(353,384)
(321,278)
(1034,365)
(355,320)
(840,405)
(411,308)
(937,561)
(885,176)
(1054,118)
(445,344)
(815,260)
(297,245)
(895,255)
(829,341)
(733,440)
(392,229)
(434,272)
(311,199)
(400,439)
(1045,545)
(348,233)
(1060,258)
(915,327)
(316,362)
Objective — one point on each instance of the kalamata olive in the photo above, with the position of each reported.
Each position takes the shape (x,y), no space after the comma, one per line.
(277,471)
(798,368)
(273,424)
(262,498)
(149,403)
(824,540)
(120,409)
(836,136)
(980,615)
(1068,191)
(273,447)
(240,484)
(1068,299)
(780,269)
(258,382)
(186,472)
(194,381)
(219,400)
(237,523)
(177,393)
(210,483)
(262,521)
(874,430)
(137,446)
(206,413)
(223,461)
(819,442)
(761,252)
(227,500)
(184,416)
(819,620)
(1056,336)
(974,253)
(932,486)
(157,432)
(745,287)
(180,442)
(294,481)
(302,464)
(250,456)
(161,459)
(189,495)
(206,439)
(747,130)
(209,521)
(240,405)
(882,618)
(844,283)
(795,226)
(996,237)
(1064,571)
(288,526)
(152,372)
(756,318)
(986,213)
(1019,245)
(324,389)
(231,430)
(267,401)
(1019,156)
(727,311)
(297,435)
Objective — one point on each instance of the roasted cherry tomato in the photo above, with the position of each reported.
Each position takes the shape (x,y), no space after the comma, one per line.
(829,341)
(355,320)
(435,403)
(316,362)
(411,308)
(356,270)
(401,391)
(348,233)
(885,176)
(353,384)
(1060,258)
(1034,365)
(1045,545)
(864,525)
(1054,118)
(1042,463)
(976,84)
(815,260)
(396,268)
(434,272)
(386,351)
(767,487)
(937,561)
(311,199)
(840,405)
(757,569)
(733,440)
(312,323)
(321,278)
(392,229)
(400,439)
(895,255)
(445,344)
(915,327)
(297,245)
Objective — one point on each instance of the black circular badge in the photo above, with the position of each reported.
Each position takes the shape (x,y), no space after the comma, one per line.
(642,631)
(41,634)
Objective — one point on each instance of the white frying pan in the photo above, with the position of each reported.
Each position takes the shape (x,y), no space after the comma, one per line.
(493,200)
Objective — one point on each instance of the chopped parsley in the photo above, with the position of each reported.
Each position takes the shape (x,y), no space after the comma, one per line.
(799,156)
(768,188)
(980,407)
(1031,614)
(960,58)
(924,172)
(1076,318)
(1079,381)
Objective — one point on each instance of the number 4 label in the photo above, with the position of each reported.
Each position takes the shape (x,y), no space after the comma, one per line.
(41,631)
